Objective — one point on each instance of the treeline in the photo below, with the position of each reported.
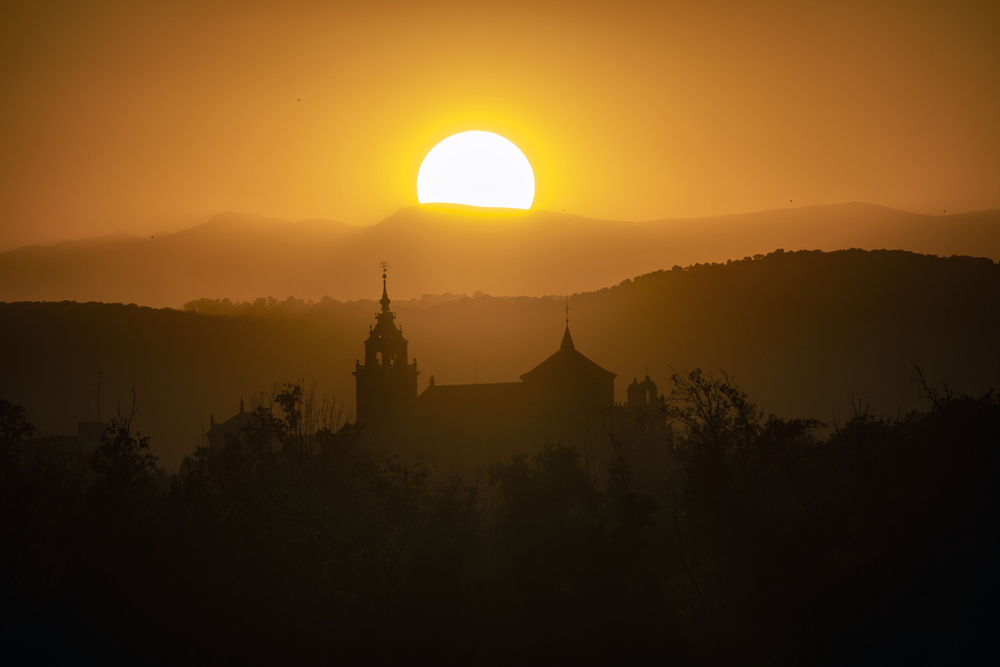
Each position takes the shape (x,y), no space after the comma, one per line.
(752,539)
(326,307)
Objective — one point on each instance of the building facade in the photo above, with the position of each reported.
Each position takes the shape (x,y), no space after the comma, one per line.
(566,398)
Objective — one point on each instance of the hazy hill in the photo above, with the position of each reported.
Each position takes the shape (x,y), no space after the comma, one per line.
(801,331)
(434,250)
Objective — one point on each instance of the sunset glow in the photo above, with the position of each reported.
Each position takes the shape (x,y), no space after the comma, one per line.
(724,388)
(477,169)
(153,120)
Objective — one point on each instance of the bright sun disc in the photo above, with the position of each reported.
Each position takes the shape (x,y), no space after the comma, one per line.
(477,169)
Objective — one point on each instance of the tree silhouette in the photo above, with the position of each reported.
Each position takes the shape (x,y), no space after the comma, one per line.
(877,540)
(123,462)
(14,430)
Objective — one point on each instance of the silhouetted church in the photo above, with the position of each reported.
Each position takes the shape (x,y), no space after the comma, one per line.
(564,398)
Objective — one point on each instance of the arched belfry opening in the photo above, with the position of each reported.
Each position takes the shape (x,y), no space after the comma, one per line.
(386,382)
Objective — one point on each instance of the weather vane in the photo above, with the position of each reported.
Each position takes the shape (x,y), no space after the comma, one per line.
(383,265)
(567,310)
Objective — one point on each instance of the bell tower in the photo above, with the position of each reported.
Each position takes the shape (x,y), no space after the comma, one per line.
(386,382)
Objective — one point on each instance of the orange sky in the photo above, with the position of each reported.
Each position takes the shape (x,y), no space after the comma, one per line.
(118,116)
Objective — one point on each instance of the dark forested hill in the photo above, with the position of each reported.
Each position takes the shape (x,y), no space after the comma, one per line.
(802,331)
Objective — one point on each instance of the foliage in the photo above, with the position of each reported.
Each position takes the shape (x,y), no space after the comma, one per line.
(123,462)
(14,430)
(14,425)
(734,457)
(756,541)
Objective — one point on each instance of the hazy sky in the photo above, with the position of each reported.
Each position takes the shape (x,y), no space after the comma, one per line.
(145,116)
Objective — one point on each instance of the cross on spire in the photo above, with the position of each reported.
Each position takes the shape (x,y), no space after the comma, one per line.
(384,265)
(567,341)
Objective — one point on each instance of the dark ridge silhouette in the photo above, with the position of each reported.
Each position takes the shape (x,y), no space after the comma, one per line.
(806,330)
(455,249)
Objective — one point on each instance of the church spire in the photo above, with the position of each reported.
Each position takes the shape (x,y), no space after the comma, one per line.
(567,341)
(385,293)
(386,381)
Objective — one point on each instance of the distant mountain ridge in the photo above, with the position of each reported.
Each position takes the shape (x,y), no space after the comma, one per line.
(454,249)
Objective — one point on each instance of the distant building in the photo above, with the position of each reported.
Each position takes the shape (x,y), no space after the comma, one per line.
(220,433)
(71,449)
(567,397)
(88,435)
(645,408)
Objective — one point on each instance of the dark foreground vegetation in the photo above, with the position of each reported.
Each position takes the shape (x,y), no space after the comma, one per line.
(752,540)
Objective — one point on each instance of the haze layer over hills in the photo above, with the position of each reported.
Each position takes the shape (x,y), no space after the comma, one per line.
(438,250)
(802,332)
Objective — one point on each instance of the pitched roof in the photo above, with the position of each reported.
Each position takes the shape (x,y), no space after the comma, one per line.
(567,362)
(474,397)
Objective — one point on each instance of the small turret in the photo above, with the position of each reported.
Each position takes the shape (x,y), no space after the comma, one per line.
(647,409)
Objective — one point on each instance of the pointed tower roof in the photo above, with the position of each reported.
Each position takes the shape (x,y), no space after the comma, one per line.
(385,327)
(566,363)
(567,341)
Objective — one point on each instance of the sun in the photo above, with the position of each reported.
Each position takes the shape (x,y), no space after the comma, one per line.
(477,169)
